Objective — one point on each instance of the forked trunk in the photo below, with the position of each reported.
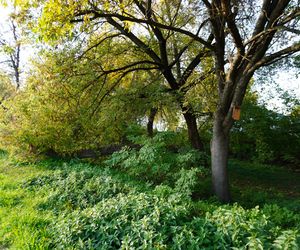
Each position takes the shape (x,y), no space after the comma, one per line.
(193,133)
(219,161)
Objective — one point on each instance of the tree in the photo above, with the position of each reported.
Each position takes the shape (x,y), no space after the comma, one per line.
(75,106)
(137,22)
(240,49)
(242,36)
(50,114)
(11,49)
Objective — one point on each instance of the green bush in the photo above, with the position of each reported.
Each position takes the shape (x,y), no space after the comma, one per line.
(266,136)
(158,160)
(93,209)
(282,217)
(186,182)
(61,112)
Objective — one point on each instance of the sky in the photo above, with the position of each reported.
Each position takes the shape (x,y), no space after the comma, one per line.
(270,92)
(286,80)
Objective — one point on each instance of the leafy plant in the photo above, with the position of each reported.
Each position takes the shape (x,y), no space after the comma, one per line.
(135,221)
(75,190)
(157,160)
(74,205)
(186,181)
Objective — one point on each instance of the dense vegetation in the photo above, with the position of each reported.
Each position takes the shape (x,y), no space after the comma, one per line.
(139,125)
(75,205)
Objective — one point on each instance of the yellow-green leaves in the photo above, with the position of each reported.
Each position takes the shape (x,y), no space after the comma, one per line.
(54,21)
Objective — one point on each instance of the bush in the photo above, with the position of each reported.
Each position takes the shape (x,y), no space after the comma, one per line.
(93,209)
(60,112)
(186,182)
(266,136)
(158,160)
(282,217)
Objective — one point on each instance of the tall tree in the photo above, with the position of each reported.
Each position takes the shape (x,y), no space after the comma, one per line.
(241,48)
(11,48)
(148,26)
(243,36)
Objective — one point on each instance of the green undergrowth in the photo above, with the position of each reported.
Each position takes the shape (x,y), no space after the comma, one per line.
(77,205)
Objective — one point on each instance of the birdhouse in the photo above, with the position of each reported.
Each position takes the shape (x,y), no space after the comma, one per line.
(236,113)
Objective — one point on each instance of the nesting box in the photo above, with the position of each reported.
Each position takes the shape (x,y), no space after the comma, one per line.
(236,113)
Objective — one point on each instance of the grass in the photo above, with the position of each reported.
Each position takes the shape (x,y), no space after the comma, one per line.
(22,226)
(25,225)
(257,184)
(266,176)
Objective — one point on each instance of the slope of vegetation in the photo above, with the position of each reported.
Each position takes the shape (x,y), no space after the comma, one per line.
(55,204)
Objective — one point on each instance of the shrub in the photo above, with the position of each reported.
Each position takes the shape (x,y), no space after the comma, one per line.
(186,181)
(282,217)
(94,210)
(157,160)
(266,136)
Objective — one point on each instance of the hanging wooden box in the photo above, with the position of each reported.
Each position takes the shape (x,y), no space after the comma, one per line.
(236,113)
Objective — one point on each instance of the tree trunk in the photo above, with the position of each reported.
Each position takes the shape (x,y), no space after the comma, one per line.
(193,133)
(219,161)
(153,112)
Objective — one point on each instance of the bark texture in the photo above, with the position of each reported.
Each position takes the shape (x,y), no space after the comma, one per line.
(219,156)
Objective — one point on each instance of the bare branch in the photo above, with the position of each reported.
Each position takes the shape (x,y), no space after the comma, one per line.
(157,32)
(234,31)
(99,43)
(130,66)
(117,82)
(262,19)
(292,30)
(135,40)
(179,54)
(278,55)
(200,79)
(207,3)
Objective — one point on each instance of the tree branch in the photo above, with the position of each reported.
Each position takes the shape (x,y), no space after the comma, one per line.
(138,20)
(278,55)
(99,43)
(116,84)
(134,39)
(201,78)
(234,31)
(129,66)
(158,34)
(190,68)
(262,19)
